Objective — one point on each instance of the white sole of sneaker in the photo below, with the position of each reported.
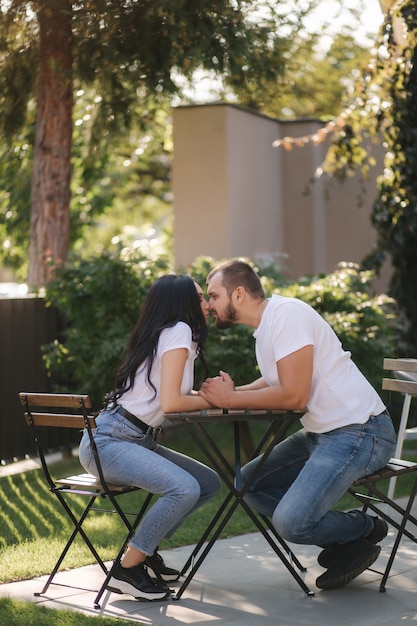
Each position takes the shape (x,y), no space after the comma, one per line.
(121,586)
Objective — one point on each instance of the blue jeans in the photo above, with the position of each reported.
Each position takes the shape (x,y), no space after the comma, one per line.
(129,456)
(307,473)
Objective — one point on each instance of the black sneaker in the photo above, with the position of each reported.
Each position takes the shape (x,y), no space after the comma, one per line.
(353,559)
(377,534)
(379,531)
(156,567)
(136,582)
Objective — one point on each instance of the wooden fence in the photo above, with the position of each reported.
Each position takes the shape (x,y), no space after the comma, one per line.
(25,325)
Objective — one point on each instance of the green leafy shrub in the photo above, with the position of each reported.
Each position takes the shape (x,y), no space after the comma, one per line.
(100,300)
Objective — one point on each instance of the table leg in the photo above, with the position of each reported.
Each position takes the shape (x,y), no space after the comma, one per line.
(232,478)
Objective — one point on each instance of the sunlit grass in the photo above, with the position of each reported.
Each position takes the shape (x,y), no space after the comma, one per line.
(16,613)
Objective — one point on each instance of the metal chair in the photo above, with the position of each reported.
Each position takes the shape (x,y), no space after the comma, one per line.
(373,494)
(60,411)
(404,432)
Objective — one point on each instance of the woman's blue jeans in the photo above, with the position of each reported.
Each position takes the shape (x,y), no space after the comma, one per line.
(307,473)
(129,456)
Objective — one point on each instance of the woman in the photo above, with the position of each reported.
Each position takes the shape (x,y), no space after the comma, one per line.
(155,377)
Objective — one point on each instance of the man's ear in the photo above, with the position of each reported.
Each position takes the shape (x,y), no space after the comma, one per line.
(239,294)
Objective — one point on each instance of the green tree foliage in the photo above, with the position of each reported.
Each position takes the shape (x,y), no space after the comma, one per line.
(118,193)
(121,185)
(315,80)
(100,299)
(124,79)
(131,56)
(383,106)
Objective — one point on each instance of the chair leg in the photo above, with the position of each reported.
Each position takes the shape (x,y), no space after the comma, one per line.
(400,533)
(77,529)
(400,439)
(131,532)
(375,497)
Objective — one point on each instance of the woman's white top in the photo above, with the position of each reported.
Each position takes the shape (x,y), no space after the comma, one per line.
(141,399)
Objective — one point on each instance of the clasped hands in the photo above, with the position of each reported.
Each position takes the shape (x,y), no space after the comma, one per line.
(217,391)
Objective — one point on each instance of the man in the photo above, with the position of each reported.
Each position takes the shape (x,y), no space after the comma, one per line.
(346,432)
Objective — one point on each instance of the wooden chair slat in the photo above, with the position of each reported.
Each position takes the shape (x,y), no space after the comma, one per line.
(60,420)
(390,470)
(403,386)
(56,399)
(407,365)
(93,484)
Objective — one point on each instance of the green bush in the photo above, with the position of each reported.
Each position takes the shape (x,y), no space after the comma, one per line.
(100,299)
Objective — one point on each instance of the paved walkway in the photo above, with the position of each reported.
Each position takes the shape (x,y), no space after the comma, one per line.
(243,584)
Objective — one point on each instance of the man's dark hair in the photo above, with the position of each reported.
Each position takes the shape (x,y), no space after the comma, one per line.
(236,273)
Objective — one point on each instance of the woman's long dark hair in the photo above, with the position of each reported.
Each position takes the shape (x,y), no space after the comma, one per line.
(171,299)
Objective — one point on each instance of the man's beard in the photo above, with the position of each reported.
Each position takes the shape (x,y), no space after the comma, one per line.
(229,319)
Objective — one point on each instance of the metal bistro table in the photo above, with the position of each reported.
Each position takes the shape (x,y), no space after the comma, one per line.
(279,421)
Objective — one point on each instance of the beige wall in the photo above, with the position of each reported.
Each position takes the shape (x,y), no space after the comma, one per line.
(236,195)
(226,182)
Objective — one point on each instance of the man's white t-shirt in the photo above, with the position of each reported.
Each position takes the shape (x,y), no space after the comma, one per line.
(141,399)
(340,395)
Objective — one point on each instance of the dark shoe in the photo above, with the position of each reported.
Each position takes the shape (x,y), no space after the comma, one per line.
(377,534)
(327,556)
(353,558)
(156,567)
(379,531)
(136,582)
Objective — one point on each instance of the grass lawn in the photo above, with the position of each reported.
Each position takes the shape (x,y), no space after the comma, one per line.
(16,613)
(34,527)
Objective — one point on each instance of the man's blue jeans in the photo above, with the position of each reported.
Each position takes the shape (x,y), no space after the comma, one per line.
(307,473)
(129,456)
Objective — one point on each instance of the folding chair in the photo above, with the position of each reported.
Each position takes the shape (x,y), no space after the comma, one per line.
(374,494)
(72,411)
(404,432)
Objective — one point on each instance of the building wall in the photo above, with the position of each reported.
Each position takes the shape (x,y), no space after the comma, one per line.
(226,183)
(237,195)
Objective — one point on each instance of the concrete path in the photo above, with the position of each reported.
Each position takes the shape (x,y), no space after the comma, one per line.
(242,583)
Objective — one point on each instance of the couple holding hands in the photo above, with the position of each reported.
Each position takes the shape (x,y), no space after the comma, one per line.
(347,432)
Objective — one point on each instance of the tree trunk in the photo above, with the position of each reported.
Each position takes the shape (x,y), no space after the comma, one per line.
(50,191)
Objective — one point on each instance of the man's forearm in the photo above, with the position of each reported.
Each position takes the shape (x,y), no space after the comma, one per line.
(265,397)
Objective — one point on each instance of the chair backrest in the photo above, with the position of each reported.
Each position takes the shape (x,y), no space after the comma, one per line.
(405,376)
(47,415)
(59,410)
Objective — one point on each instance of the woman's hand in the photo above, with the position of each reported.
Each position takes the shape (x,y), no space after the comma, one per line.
(226,377)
